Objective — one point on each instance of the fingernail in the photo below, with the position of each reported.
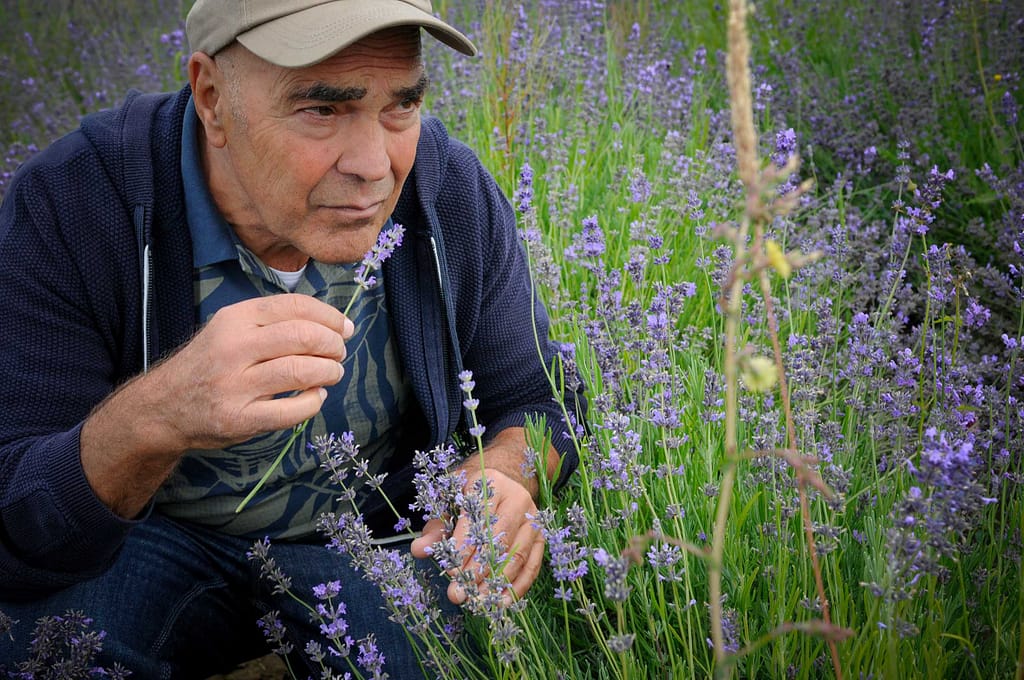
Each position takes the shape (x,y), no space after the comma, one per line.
(323,395)
(348,329)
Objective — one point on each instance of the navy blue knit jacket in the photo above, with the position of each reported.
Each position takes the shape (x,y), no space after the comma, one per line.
(95,225)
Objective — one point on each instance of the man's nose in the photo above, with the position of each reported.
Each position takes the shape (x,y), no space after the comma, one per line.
(365,151)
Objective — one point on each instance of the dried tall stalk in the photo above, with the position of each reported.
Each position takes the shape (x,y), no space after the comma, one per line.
(748,263)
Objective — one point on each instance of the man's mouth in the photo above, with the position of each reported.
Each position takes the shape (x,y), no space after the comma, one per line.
(356,211)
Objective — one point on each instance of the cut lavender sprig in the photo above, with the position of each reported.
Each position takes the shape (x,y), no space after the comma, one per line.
(387,241)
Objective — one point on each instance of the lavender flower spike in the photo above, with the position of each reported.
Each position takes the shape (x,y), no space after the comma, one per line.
(467,384)
(387,241)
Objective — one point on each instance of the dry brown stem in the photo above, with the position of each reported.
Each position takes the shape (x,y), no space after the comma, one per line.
(638,546)
(801,465)
(760,209)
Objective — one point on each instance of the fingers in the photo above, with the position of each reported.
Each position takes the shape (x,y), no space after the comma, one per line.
(512,505)
(274,309)
(290,373)
(288,353)
(292,337)
(433,531)
(279,414)
(524,564)
(282,325)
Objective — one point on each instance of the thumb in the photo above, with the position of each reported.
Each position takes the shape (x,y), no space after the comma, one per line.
(433,531)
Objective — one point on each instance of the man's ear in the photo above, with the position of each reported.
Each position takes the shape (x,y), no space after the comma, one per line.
(207,91)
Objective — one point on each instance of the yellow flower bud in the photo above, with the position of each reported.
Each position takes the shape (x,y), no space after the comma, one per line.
(777,259)
(759,374)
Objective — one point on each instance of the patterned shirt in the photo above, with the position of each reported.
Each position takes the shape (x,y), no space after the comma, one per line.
(369,401)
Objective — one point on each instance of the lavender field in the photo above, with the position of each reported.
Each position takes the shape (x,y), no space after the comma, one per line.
(856,514)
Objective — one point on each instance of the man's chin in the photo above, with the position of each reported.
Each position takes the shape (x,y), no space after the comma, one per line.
(344,247)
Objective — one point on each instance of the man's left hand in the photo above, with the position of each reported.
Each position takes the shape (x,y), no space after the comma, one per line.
(513,504)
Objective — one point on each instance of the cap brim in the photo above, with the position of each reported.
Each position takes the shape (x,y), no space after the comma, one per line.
(310,36)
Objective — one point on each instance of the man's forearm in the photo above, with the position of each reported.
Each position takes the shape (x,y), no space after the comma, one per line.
(127,451)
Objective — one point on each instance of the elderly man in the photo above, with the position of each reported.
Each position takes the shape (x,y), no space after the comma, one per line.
(172,291)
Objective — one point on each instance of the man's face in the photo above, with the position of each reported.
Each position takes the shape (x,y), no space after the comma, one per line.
(310,162)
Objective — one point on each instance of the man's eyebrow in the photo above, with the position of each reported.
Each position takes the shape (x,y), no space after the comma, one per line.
(415,91)
(322,92)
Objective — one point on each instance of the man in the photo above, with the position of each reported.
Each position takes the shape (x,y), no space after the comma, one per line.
(174,274)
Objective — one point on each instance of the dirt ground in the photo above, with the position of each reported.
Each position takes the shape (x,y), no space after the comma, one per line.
(269,667)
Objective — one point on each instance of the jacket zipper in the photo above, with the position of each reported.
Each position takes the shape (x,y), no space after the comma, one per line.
(147,275)
(446,310)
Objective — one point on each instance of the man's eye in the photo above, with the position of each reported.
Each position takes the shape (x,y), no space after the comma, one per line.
(410,104)
(320,110)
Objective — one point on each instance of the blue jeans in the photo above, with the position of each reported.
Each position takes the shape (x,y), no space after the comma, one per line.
(182,602)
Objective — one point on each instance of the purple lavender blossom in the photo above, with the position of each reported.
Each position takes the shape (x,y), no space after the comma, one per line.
(730,631)
(621,643)
(640,189)
(976,315)
(387,241)
(437,488)
(370,658)
(466,383)
(524,192)
(408,599)
(487,600)
(331,617)
(928,198)
(1009,104)
(65,646)
(589,243)
(339,454)
(566,557)
(593,238)
(481,537)
(903,156)
(274,631)
(665,558)
(269,569)
(532,462)
(617,462)
(936,516)
(616,569)
(785,146)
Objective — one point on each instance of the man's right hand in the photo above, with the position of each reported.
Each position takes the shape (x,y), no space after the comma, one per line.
(217,390)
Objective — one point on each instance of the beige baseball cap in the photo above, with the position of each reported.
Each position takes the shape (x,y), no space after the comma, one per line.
(297,33)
